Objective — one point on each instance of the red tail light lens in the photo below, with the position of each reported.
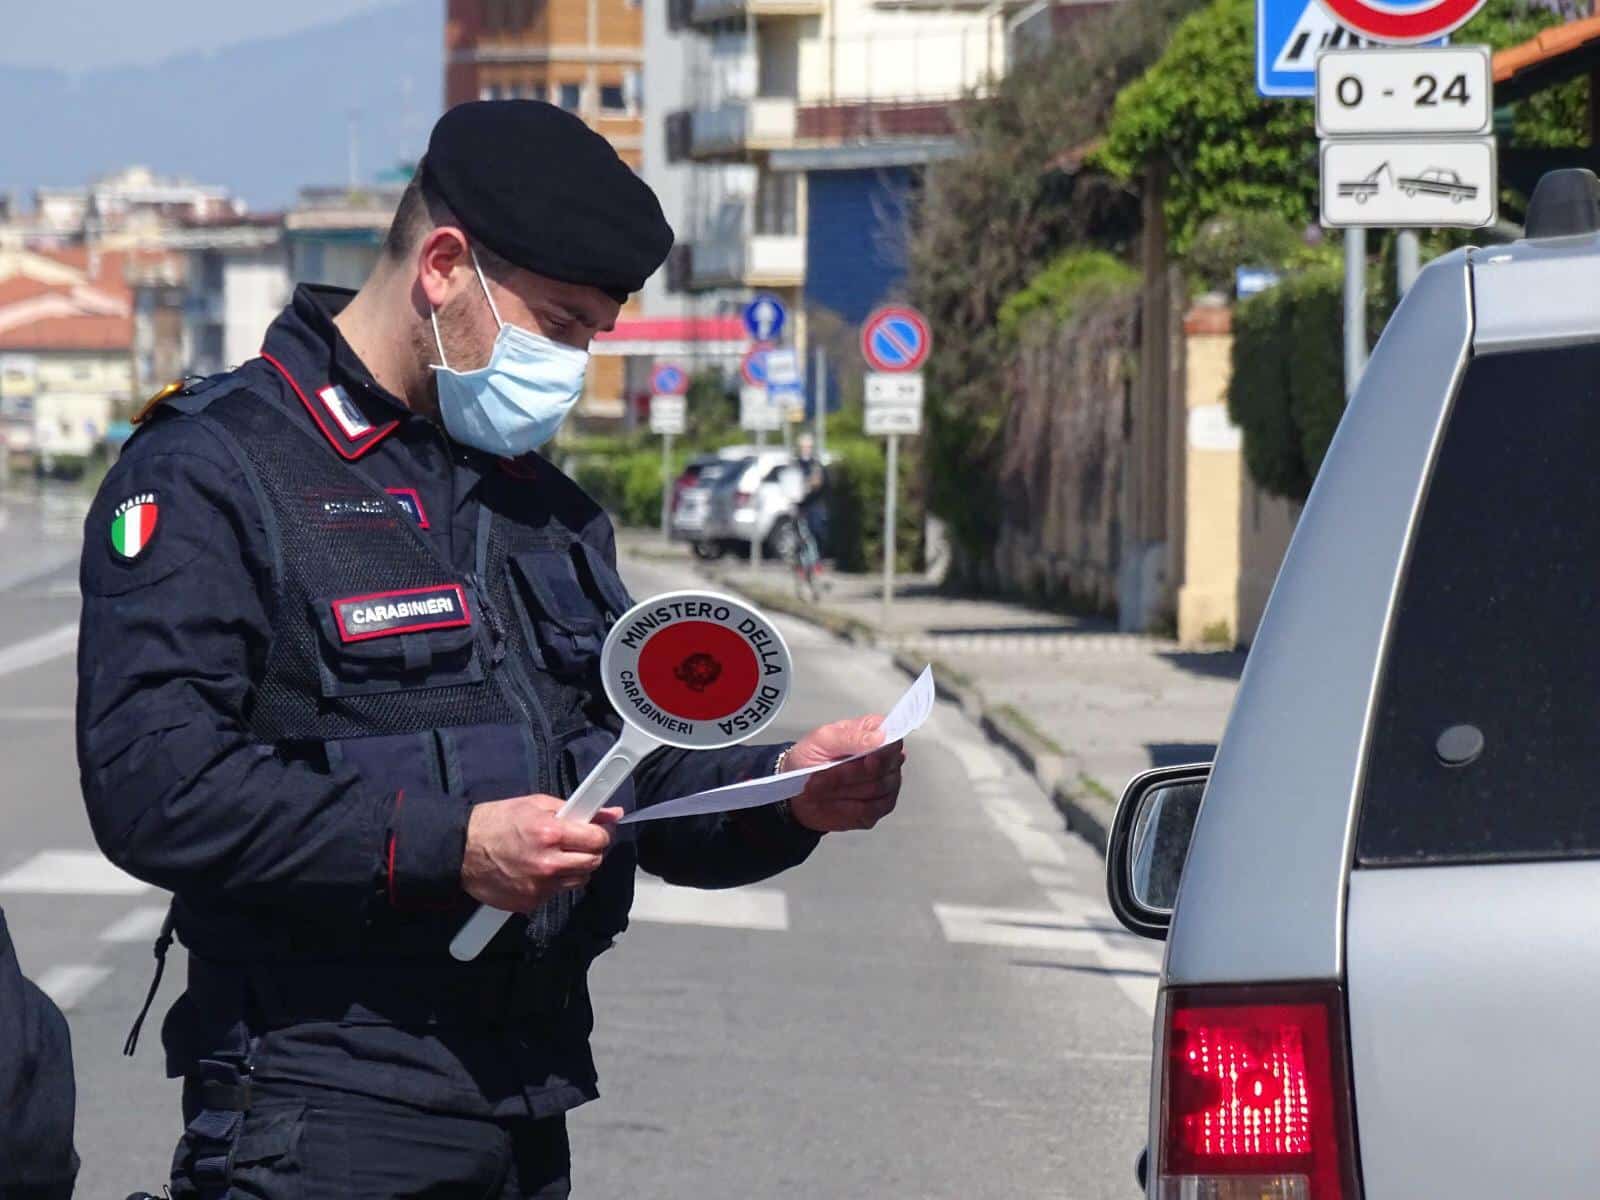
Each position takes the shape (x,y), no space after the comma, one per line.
(1256,1096)
(742,498)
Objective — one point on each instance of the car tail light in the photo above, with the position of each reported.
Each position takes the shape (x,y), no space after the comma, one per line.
(742,499)
(1255,1095)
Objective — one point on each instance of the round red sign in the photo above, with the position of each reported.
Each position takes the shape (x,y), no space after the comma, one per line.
(696,669)
(1403,24)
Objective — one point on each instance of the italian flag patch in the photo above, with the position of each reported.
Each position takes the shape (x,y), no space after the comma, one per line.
(134,524)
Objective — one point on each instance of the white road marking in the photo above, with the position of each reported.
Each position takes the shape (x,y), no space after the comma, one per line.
(140,925)
(1013,928)
(70,982)
(19,656)
(70,873)
(1080,920)
(1054,877)
(726,908)
(1134,961)
(61,713)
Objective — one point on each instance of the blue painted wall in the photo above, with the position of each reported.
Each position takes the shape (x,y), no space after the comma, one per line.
(855,240)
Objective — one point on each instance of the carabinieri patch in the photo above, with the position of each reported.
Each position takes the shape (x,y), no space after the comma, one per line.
(134,524)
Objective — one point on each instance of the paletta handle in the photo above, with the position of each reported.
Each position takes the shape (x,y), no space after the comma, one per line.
(590,796)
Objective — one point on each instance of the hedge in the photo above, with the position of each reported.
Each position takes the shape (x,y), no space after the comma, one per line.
(1287,389)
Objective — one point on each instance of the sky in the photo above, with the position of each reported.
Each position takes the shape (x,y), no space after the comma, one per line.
(262,98)
(86,35)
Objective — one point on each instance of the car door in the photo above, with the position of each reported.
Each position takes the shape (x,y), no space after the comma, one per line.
(1473,918)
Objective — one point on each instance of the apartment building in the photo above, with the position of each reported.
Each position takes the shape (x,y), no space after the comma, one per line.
(811,121)
(584,55)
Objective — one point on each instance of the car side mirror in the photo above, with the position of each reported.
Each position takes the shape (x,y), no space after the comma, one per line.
(1148,845)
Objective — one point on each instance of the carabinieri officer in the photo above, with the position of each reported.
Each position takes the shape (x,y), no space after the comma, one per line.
(339,661)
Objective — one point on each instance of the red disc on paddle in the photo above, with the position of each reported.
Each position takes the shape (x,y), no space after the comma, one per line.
(698,670)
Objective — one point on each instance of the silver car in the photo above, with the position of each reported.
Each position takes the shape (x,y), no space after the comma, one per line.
(1382,901)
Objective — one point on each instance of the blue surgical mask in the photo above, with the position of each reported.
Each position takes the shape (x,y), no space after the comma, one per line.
(517,402)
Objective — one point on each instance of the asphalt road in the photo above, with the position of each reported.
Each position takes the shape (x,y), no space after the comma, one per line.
(940,1008)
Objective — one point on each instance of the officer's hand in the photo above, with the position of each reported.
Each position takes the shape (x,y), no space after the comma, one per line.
(519,855)
(855,796)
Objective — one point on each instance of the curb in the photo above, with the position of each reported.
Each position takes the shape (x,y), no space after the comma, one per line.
(1086,813)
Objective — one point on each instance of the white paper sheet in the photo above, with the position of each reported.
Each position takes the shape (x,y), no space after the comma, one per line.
(906,717)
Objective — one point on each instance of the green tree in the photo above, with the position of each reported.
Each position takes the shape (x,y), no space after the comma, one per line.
(1196,111)
(989,220)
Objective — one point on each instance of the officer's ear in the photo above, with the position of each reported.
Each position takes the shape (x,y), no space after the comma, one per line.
(443,265)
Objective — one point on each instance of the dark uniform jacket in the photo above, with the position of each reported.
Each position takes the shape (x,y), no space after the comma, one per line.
(315,632)
(37,1094)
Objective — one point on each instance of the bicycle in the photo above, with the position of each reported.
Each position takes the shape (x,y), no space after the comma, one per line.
(805,557)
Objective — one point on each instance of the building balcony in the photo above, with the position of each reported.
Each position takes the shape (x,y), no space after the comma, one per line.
(759,260)
(731,131)
(703,12)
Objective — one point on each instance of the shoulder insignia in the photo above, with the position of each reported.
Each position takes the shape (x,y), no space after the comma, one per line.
(150,405)
(191,394)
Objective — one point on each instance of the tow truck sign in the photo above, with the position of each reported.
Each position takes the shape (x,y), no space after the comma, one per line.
(1401,184)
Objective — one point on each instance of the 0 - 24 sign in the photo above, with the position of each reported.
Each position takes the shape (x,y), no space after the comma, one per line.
(1443,91)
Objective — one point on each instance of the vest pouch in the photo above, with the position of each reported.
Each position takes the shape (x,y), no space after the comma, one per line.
(395,641)
(568,598)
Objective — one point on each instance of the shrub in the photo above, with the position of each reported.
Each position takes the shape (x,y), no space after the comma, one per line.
(855,506)
(627,484)
(1240,238)
(1071,283)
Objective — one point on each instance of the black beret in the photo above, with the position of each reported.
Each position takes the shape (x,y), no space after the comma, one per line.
(546,193)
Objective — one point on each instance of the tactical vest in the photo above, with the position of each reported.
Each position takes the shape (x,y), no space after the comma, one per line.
(424,680)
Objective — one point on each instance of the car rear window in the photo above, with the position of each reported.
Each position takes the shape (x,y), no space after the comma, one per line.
(1486,744)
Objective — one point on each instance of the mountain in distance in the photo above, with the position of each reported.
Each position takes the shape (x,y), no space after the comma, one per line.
(262,117)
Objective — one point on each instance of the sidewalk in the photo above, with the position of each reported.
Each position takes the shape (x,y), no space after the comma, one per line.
(1084,706)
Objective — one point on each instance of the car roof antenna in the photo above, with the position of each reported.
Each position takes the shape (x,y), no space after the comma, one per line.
(1565,203)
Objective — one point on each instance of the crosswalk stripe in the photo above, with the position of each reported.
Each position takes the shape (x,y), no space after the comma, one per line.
(69,983)
(140,925)
(1013,928)
(728,908)
(70,873)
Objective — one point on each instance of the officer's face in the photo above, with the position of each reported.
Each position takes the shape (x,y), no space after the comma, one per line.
(563,312)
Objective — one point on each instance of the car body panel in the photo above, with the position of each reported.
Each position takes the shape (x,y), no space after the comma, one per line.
(1536,295)
(1289,763)
(773,498)
(1471,1029)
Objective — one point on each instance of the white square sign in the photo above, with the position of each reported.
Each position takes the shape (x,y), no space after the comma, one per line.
(1426,91)
(668,414)
(756,412)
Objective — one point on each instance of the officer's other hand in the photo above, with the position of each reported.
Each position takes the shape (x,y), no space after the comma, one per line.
(519,854)
(856,795)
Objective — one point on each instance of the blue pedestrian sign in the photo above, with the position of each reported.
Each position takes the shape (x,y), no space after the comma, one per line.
(764,318)
(1289,36)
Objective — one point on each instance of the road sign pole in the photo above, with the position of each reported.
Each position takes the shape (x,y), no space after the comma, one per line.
(1355,308)
(891,485)
(1408,259)
(755,512)
(666,487)
(819,396)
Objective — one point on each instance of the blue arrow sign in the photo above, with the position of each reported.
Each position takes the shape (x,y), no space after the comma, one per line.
(764,318)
